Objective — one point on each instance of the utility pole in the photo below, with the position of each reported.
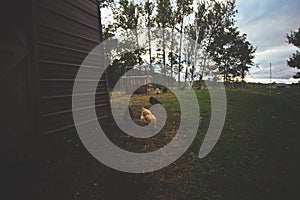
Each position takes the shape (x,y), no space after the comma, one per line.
(270,87)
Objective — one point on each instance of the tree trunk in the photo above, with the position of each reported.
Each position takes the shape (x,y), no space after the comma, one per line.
(100,24)
(172,46)
(149,38)
(164,52)
(180,48)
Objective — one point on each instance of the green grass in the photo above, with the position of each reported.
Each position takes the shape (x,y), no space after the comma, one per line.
(256,157)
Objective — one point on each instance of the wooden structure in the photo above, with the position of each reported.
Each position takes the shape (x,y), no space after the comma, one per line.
(42,45)
(128,83)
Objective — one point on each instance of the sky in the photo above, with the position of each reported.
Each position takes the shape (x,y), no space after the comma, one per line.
(266,23)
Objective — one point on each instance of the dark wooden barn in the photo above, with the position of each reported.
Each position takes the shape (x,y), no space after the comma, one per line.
(42,45)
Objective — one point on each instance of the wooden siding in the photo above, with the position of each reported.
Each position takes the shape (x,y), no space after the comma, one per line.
(66,31)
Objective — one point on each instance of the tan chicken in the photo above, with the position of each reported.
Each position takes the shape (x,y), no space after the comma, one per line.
(147,116)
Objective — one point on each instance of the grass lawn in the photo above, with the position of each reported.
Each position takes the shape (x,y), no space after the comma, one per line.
(257,156)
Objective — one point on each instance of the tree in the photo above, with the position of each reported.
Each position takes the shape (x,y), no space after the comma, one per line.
(108,31)
(184,8)
(294,60)
(148,10)
(173,22)
(220,42)
(211,19)
(102,4)
(120,66)
(201,32)
(197,32)
(127,16)
(233,54)
(245,54)
(164,11)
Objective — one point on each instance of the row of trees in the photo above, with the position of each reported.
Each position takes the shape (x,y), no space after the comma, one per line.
(195,39)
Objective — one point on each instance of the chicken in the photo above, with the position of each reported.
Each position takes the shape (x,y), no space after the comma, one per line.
(147,116)
(154,101)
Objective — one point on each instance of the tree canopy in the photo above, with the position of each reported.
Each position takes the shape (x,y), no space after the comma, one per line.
(219,45)
(294,60)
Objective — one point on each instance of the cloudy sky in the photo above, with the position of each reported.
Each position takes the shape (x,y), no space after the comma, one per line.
(266,23)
